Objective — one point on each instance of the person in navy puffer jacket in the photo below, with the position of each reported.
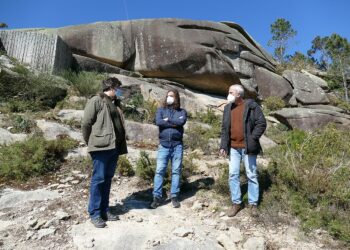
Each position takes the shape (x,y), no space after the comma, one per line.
(170,119)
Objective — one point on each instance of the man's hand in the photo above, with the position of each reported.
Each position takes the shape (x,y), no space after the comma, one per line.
(222,152)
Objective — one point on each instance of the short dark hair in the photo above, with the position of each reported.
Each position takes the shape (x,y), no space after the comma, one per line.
(176,104)
(110,83)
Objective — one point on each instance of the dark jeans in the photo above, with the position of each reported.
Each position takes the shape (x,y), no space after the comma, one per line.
(104,164)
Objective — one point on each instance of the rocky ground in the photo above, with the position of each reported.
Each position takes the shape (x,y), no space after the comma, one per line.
(51,214)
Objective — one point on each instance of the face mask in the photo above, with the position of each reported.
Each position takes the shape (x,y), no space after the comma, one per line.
(118,92)
(231,98)
(169,100)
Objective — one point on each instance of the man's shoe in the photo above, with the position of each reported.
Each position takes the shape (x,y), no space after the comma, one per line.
(155,203)
(234,210)
(98,222)
(175,202)
(253,210)
(109,216)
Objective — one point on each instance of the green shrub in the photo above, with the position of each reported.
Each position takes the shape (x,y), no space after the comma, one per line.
(138,109)
(33,157)
(335,101)
(310,174)
(221,184)
(124,167)
(145,167)
(22,124)
(30,92)
(85,83)
(198,137)
(272,103)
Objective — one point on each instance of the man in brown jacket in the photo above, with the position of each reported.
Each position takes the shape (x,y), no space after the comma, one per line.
(104,132)
(242,125)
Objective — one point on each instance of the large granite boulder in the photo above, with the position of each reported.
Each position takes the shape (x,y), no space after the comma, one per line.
(271,84)
(203,55)
(46,53)
(155,89)
(307,90)
(311,118)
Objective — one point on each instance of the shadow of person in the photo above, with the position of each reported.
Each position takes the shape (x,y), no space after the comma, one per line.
(142,199)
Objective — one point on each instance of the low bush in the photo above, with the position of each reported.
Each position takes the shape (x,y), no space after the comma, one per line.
(146,169)
(199,137)
(30,92)
(273,103)
(33,157)
(124,167)
(310,175)
(138,109)
(85,83)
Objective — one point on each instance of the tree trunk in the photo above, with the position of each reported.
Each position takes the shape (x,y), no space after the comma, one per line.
(345,85)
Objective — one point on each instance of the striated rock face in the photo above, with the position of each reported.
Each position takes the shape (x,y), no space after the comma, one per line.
(46,53)
(202,55)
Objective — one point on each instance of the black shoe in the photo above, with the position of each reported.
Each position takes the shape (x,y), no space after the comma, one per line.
(175,202)
(155,203)
(98,222)
(109,216)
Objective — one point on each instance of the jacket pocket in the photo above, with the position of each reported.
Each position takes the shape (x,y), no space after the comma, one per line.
(253,146)
(100,141)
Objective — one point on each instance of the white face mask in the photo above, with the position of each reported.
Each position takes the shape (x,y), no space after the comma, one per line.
(169,100)
(231,98)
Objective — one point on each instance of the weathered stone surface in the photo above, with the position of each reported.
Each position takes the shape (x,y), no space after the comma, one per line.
(46,53)
(306,89)
(254,243)
(267,143)
(191,100)
(139,132)
(309,119)
(90,64)
(51,130)
(200,54)
(15,198)
(319,81)
(6,62)
(7,137)
(70,114)
(271,84)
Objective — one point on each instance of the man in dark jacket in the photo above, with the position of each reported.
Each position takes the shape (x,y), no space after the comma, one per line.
(170,119)
(242,125)
(104,132)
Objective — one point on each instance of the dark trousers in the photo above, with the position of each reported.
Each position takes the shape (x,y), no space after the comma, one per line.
(104,165)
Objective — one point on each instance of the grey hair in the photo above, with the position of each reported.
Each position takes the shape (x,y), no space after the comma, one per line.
(239,89)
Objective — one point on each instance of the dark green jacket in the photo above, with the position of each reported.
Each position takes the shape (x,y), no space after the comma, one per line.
(97,126)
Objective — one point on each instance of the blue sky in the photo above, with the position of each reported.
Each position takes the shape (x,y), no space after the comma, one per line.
(309,17)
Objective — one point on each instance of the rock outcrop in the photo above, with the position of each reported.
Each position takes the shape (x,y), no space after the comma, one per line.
(311,118)
(46,53)
(307,89)
(203,55)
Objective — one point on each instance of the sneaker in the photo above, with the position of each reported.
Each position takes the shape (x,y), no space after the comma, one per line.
(175,202)
(98,222)
(234,210)
(155,203)
(109,216)
(253,210)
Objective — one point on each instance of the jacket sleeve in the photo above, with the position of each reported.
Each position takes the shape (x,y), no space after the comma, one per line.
(224,129)
(260,123)
(179,121)
(90,114)
(160,121)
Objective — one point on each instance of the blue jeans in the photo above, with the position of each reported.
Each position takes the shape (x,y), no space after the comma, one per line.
(104,165)
(236,155)
(164,155)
